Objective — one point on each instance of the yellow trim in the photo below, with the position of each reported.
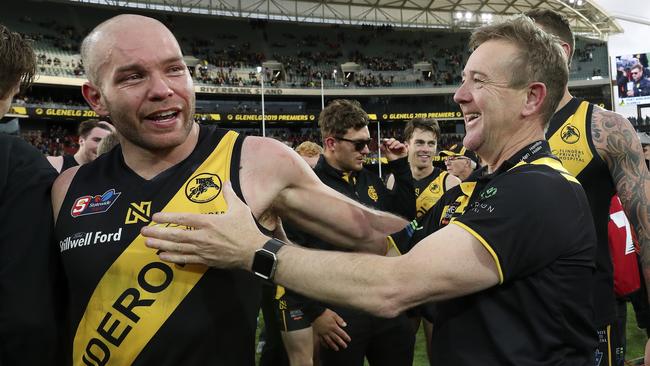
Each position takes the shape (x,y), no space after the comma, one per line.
(284,320)
(485,244)
(391,243)
(279,292)
(610,348)
(551,163)
(170,282)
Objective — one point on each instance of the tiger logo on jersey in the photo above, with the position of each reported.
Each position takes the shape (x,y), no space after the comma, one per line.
(570,134)
(203,187)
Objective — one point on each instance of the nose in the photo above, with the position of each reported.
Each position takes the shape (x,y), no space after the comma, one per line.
(365,150)
(462,95)
(159,87)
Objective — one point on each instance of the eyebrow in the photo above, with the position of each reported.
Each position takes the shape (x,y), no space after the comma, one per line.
(136,66)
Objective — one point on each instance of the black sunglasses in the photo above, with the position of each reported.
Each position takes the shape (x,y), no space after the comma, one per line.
(358,144)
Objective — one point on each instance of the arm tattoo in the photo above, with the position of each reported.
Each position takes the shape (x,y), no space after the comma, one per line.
(617,143)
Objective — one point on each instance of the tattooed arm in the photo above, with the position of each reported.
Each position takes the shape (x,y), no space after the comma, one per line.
(619,146)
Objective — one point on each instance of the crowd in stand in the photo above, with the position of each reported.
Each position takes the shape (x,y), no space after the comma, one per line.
(304,58)
(55,141)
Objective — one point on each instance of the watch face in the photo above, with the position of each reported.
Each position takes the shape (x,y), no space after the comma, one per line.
(264,263)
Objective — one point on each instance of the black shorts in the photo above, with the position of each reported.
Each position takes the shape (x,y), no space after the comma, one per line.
(291,310)
(609,351)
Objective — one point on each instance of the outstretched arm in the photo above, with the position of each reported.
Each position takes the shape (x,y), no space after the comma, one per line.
(372,283)
(274,178)
(619,146)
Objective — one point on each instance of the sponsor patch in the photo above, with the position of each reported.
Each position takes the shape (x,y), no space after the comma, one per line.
(203,187)
(138,212)
(89,205)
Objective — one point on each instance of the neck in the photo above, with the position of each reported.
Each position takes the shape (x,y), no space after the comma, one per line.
(566,98)
(149,163)
(521,139)
(80,157)
(419,173)
(329,158)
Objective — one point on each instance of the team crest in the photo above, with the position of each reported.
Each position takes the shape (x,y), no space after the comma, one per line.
(372,193)
(203,188)
(89,205)
(570,134)
(435,188)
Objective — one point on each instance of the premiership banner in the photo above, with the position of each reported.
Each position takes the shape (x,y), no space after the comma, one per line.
(409,116)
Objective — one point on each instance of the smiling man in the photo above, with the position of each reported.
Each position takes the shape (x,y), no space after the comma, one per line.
(421,136)
(91,132)
(126,306)
(511,272)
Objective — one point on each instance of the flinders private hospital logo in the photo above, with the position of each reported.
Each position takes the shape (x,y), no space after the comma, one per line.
(84,239)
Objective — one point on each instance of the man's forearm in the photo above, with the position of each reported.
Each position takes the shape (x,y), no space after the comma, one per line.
(360,281)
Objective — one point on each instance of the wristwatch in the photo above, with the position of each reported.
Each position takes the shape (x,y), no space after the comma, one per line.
(265,260)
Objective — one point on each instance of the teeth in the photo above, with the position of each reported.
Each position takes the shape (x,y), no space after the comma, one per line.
(164,114)
(472,116)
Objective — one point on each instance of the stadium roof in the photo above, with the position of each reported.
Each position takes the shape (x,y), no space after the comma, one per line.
(586,17)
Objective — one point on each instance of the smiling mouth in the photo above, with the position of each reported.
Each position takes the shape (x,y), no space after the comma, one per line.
(165,116)
(471,116)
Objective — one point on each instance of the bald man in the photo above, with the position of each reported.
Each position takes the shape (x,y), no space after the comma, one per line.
(126,305)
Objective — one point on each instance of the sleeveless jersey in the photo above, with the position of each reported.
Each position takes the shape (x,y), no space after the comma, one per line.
(68,162)
(569,135)
(126,305)
(429,189)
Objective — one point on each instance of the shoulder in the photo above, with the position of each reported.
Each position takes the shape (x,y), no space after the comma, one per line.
(60,188)
(56,162)
(615,139)
(451,181)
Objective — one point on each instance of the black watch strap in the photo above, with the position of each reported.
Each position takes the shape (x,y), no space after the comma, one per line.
(265,259)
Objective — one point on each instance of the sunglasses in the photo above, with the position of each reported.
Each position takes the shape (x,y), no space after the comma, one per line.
(358,144)
(456,157)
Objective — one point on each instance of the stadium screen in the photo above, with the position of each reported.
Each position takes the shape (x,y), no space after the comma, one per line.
(632,87)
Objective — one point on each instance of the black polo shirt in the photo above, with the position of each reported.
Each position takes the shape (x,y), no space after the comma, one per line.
(534,220)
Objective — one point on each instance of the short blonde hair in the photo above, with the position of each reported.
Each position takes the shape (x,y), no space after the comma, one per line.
(540,58)
(309,149)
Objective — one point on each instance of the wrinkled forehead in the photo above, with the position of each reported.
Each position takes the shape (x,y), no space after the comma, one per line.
(127,42)
(492,56)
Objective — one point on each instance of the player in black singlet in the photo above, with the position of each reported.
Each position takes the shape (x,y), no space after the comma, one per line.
(602,150)
(91,132)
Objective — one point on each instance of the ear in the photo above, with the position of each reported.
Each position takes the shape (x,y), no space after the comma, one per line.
(535,97)
(329,142)
(567,50)
(93,96)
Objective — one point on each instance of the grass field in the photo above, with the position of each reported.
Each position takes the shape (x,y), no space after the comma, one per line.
(636,339)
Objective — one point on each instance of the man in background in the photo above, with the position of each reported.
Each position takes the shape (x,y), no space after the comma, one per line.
(91,132)
(459,161)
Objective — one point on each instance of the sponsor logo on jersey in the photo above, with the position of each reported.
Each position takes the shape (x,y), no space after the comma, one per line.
(203,187)
(89,205)
(84,239)
(488,193)
(570,134)
(138,212)
(372,193)
(450,212)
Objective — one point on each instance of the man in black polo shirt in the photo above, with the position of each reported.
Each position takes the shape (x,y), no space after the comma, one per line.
(512,274)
